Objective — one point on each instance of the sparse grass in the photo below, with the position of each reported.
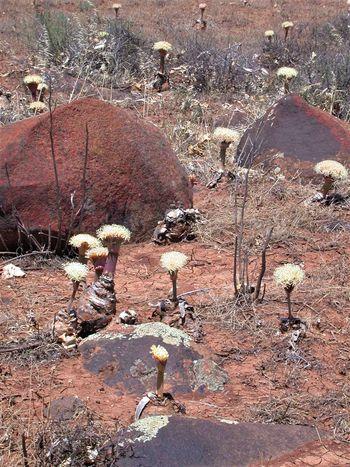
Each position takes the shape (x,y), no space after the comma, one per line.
(333,409)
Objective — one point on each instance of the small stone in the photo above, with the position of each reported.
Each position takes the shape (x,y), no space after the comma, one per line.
(10,270)
(128,317)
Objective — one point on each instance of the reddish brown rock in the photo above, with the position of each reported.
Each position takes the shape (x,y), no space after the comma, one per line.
(132,175)
(299,131)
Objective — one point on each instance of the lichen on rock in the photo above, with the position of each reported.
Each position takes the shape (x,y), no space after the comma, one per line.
(149,427)
(169,335)
(207,373)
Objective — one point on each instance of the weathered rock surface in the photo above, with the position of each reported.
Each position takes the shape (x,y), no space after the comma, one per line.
(123,361)
(180,441)
(65,408)
(297,130)
(132,175)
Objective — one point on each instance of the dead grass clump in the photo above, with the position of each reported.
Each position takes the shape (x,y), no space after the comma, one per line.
(64,444)
(40,347)
(233,315)
(291,218)
(332,410)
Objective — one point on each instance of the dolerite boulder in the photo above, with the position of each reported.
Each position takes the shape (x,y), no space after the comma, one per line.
(297,130)
(123,361)
(180,441)
(132,174)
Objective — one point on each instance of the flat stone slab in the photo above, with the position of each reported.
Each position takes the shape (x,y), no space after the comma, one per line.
(124,361)
(181,441)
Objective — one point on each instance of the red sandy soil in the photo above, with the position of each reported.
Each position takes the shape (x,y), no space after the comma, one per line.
(253,357)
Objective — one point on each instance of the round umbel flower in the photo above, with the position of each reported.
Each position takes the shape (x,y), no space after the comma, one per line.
(269,34)
(225,136)
(116,7)
(76,272)
(160,355)
(289,276)
(163,48)
(172,262)
(287,74)
(332,172)
(32,82)
(98,257)
(112,236)
(83,242)
(37,107)
(287,26)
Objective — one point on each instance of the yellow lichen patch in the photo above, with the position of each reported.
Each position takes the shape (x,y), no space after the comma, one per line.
(149,427)
(169,335)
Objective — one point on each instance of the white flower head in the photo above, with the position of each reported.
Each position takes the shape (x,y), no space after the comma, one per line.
(162,46)
(287,24)
(269,33)
(289,275)
(37,106)
(116,6)
(114,232)
(202,6)
(225,135)
(332,169)
(173,261)
(32,79)
(43,87)
(84,240)
(159,353)
(97,253)
(287,72)
(75,271)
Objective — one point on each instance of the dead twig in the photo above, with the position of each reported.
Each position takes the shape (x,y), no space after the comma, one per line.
(33,253)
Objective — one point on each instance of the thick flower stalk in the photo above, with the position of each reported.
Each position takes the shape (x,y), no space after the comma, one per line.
(287,26)
(172,262)
(289,276)
(83,242)
(287,74)
(112,236)
(224,136)
(98,257)
(116,7)
(201,23)
(32,82)
(42,90)
(161,356)
(332,172)
(163,48)
(76,272)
